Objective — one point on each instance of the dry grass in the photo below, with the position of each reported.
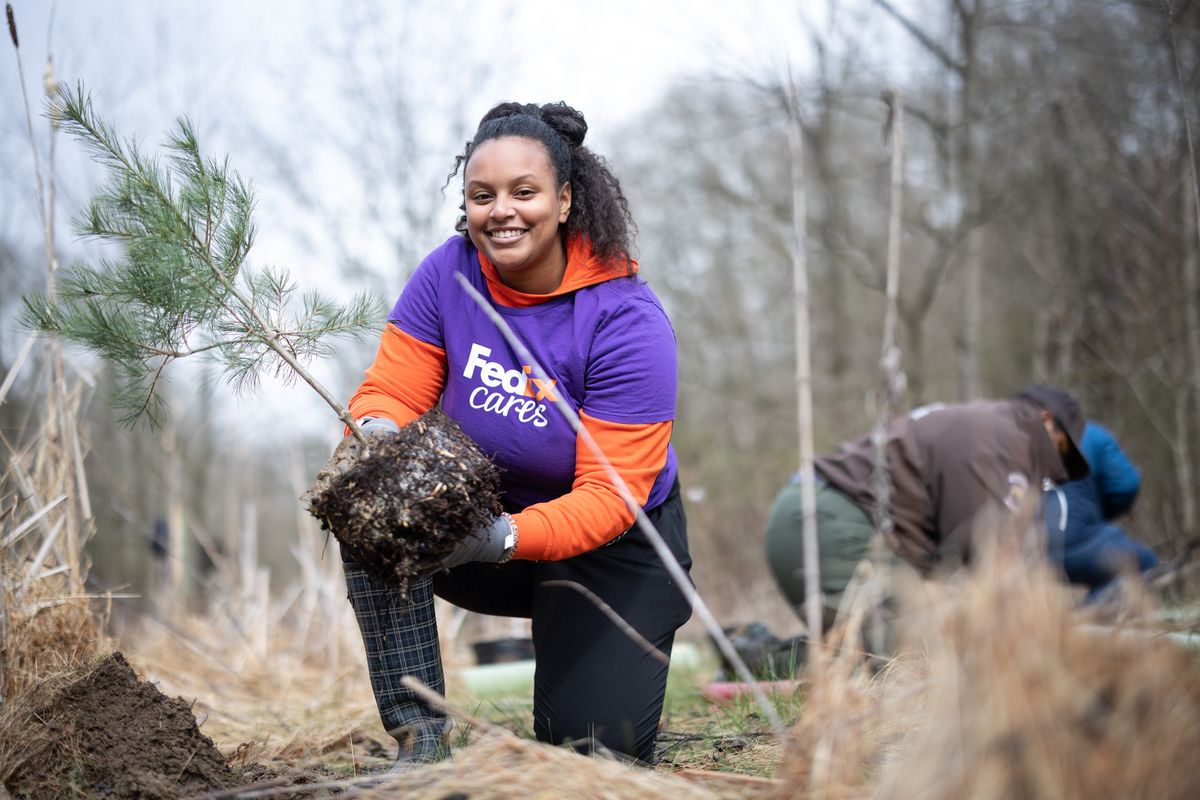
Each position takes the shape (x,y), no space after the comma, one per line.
(500,765)
(51,640)
(46,625)
(21,743)
(1004,693)
(1003,688)
(274,684)
(295,715)
(49,632)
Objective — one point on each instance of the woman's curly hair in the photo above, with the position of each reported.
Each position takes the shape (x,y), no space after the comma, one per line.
(599,209)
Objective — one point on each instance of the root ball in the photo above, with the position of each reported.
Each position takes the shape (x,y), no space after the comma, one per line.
(401,508)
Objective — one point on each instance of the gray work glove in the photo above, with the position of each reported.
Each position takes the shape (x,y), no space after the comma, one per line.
(373,425)
(493,543)
(348,451)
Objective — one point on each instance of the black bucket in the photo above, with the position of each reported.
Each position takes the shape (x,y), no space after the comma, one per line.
(501,651)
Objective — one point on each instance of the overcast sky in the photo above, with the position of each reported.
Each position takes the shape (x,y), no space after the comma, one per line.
(249,71)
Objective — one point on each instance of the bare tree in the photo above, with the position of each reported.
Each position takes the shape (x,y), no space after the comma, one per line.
(966,18)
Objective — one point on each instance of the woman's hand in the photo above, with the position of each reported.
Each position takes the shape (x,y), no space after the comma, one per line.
(493,543)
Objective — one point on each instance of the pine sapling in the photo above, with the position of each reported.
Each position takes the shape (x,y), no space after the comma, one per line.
(182,287)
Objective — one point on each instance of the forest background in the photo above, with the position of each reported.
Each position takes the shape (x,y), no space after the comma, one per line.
(1049,231)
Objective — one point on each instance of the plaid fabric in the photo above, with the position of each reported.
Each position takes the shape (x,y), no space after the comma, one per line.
(401,639)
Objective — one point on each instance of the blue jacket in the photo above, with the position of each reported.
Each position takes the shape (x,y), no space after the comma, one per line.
(1112,486)
(1106,493)
(1092,550)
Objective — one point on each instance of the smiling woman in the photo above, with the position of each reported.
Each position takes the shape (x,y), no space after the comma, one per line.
(515,205)
(595,205)
(546,236)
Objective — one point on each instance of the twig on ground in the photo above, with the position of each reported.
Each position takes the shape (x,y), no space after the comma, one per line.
(730,777)
(433,698)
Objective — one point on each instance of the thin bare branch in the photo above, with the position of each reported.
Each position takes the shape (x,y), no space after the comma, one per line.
(615,618)
(814,604)
(681,579)
(921,36)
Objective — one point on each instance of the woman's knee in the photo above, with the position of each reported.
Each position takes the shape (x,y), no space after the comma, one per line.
(621,734)
(612,700)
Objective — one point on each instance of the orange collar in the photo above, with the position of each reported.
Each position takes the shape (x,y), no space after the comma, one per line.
(583,269)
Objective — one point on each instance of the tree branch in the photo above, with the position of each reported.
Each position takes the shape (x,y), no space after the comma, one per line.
(925,39)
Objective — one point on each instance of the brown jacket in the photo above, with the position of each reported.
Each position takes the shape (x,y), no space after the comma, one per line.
(948,463)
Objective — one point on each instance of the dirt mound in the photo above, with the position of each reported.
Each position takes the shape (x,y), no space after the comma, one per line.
(109,734)
(401,509)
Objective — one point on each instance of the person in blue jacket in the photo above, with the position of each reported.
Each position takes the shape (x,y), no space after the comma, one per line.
(1083,540)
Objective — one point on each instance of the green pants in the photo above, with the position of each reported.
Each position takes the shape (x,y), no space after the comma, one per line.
(843,537)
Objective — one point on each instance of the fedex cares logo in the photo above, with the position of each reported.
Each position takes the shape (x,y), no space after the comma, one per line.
(507,391)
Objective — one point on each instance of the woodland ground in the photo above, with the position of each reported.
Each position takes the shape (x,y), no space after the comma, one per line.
(110,733)
(1002,687)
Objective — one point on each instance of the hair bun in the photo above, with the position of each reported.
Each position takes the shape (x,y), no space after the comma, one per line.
(509,110)
(566,121)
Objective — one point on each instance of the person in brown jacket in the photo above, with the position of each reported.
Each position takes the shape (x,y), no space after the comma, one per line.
(948,464)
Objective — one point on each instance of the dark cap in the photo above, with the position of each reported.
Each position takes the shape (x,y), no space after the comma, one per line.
(1069,415)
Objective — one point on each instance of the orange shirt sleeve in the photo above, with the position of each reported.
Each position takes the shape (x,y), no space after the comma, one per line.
(405,380)
(593,512)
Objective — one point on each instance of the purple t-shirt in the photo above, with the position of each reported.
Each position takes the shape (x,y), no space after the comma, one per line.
(608,350)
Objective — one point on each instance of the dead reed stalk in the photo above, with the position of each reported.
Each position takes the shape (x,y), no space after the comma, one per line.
(814,610)
(892,380)
(48,625)
(61,429)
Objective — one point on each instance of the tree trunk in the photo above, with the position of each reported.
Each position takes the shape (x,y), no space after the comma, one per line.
(915,345)
(969,188)
(814,612)
(1182,452)
(174,561)
(1189,409)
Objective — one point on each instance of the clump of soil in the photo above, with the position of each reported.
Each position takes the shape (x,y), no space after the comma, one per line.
(274,780)
(109,734)
(403,507)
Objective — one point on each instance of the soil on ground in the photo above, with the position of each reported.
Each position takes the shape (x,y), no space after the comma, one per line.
(110,734)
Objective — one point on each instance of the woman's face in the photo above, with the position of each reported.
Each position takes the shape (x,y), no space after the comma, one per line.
(514,210)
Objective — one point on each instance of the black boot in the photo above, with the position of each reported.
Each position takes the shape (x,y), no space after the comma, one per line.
(401,639)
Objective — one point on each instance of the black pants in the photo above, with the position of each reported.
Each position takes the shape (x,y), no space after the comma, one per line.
(593,683)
